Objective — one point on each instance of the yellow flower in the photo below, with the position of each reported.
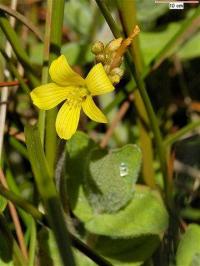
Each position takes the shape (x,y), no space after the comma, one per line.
(77,93)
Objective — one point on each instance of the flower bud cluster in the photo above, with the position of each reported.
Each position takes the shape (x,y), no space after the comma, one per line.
(108,56)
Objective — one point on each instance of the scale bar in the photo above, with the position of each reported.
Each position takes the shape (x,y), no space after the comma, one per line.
(168,1)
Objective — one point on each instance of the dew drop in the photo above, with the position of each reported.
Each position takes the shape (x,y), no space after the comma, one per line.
(123,169)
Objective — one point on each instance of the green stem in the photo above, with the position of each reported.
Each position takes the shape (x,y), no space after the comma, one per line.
(13,69)
(15,42)
(55,44)
(180,133)
(143,93)
(154,125)
(13,186)
(32,245)
(128,16)
(18,49)
(20,202)
(22,19)
(18,146)
(45,67)
(109,19)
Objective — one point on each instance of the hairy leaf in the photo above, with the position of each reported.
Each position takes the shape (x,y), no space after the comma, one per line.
(110,178)
(78,148)
(49,254)
(127,252)
(188,253)
(144,215)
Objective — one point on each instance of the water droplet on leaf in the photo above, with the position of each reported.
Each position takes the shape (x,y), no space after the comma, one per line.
(123,169)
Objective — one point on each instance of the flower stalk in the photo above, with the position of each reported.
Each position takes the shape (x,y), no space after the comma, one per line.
(45,67)
(57,13)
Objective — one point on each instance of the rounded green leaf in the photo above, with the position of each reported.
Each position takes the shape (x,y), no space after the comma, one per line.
(110,178)
(49,254)
(188,253)
(78,148)
(127,252)
(145,214)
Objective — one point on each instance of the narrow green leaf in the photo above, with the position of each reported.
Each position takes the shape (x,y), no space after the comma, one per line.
(13,186)
(18,48)
(20,202)
(39,164)
(188,253)
(110,178)
(22,19)
(48,192)
(5,251)
(3,204)
(144,215)
(10,253)
(14,40)
(18,146)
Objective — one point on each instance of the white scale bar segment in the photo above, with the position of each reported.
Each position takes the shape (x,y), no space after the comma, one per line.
(185,2)
(176,5)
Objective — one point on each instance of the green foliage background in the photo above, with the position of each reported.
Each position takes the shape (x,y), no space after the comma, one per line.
(76,202)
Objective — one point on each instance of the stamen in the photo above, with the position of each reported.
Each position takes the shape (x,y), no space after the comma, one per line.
(77,94)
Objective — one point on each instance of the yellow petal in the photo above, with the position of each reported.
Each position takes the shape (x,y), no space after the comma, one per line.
(98,82)
(92,111)
(67,120)
(49,95)
(62,74)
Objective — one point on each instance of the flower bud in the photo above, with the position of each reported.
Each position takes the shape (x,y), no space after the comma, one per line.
(117,71)
(97,47)
(100,58)
(114,44)
(107,68)
(114,78)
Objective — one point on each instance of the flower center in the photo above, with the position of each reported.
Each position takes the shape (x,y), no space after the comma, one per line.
(77,95)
